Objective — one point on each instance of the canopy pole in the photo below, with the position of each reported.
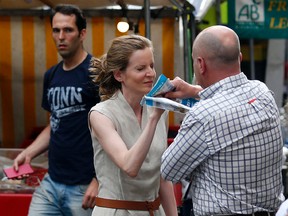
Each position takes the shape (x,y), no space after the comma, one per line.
(185,45)
(147,19)
(252,61)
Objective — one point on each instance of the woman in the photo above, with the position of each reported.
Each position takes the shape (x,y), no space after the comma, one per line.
(128,139)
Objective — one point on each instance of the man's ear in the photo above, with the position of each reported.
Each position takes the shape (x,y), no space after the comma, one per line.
(83,33)
(202,64)
(118,75)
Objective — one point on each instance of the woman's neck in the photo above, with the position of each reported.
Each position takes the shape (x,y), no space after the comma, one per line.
(134,102)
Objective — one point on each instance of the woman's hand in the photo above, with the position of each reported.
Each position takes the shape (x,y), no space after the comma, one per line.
(157,112)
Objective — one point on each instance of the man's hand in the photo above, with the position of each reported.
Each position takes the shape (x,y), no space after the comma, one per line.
(21,158)
(183,90)
(90,194)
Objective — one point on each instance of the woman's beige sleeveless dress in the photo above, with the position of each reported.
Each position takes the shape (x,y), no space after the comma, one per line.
(114,183)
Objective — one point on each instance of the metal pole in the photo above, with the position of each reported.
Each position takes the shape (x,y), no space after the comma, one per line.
(177,4)
(185,43)
(193,36)
(252,61)
(193,29)
(218,12)
(147,19)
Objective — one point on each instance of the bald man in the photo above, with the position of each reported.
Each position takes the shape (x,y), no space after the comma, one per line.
(229,143)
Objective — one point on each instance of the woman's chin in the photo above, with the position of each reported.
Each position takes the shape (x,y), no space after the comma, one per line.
(147,91)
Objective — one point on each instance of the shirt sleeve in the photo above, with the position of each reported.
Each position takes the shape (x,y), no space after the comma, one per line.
(45,103)
(186,152)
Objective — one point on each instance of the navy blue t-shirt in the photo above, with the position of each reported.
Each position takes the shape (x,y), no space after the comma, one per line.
(69,96)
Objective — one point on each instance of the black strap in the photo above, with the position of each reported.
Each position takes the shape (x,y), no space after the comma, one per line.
(187,191)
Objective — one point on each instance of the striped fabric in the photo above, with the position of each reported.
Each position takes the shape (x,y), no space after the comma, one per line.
(27,51)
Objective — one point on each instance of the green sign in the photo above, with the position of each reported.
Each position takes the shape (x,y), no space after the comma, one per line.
(259,18)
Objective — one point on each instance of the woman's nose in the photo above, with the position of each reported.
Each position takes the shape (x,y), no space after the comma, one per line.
(151,72)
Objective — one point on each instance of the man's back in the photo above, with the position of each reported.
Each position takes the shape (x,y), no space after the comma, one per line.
(233,146)
(244,140)
(230,142)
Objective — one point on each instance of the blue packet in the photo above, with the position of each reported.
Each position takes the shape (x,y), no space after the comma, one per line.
(162,86)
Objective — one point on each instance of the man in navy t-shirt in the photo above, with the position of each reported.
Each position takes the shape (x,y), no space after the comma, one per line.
(70,186)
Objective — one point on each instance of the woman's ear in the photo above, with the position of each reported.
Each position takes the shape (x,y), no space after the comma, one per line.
(118,75)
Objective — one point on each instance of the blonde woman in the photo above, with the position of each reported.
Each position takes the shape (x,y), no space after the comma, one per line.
(129,139)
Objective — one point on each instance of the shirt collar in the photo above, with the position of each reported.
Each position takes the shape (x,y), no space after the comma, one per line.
(224,84)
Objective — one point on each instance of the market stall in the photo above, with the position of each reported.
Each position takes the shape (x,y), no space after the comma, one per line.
(15,195)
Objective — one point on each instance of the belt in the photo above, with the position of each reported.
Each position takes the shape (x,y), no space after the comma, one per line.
(129,205)
(260,213)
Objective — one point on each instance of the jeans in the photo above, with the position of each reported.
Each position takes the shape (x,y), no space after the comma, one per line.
(52,198)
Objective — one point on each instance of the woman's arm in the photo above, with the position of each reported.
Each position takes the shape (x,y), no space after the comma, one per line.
(128,160)
(167,198)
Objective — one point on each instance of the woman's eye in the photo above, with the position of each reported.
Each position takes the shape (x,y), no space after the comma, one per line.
(140,69)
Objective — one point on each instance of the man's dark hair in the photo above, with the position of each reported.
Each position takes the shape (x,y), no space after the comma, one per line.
(67,9)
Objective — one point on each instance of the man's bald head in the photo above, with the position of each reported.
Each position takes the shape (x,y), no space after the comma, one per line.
(216,55)
(219,44)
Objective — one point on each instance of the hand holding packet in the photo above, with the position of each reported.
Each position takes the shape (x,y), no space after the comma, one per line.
(165,103)
(22,170)
(162,86)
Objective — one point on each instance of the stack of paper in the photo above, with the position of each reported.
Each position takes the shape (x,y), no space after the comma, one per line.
(162,86)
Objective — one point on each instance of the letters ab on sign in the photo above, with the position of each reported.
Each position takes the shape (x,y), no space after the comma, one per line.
(259,18)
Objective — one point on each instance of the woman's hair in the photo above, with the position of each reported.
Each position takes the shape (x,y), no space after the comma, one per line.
(117,58)
(68,9)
